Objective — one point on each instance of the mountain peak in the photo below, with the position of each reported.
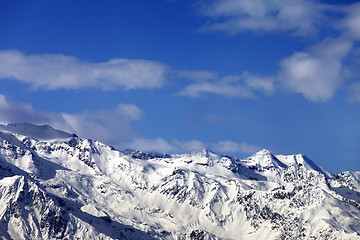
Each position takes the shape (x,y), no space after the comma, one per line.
(263,159)
(42,132)
(263,152)
(203,153)
(47,184)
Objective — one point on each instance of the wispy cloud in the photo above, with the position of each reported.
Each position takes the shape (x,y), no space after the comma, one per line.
(228,87)
(316,72)
(53,71)
(234,16)
(259,83)
(12,112)
(243,86)
(350,23)
(112,126)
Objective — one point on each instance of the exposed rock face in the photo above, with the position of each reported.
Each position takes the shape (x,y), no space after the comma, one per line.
(60,186)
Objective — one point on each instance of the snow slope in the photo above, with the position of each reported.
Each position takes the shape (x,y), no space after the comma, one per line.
(54,185)
(44,132)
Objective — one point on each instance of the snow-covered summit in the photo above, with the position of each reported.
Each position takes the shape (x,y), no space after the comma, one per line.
(201,153)
(300,159)
(263,160)
(73,188)
(41,132)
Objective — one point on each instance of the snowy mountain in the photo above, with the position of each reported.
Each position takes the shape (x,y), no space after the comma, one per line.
(55,185)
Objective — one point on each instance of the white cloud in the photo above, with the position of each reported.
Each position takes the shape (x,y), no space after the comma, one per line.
(233,16)
(322,69)
(53,71)
(218,88)
(350,24)
(230,86)
(261,83)
(111,126)
(315,78)
(11,111)
(318,73)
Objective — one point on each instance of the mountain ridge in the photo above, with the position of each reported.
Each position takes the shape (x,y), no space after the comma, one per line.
(98,192)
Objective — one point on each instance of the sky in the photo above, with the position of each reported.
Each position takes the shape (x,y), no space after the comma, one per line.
(172,76)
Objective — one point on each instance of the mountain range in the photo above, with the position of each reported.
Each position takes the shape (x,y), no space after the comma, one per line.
(56,185)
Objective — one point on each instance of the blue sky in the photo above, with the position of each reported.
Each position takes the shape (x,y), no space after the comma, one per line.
(173,76)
